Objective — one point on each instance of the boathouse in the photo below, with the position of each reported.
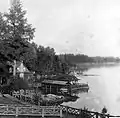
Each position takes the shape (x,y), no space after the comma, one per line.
(54,86)
(62,84)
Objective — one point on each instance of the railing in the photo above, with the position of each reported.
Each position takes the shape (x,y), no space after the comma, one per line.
(74,111)
(30,111)
(84,113)
(23,97)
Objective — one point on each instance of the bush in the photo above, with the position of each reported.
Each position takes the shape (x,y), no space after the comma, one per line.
(35,99)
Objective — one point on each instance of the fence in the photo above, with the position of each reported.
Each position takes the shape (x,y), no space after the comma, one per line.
(30,111)
(73,111)
(84,113)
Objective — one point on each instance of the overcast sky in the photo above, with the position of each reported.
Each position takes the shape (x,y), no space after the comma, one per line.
(91,27)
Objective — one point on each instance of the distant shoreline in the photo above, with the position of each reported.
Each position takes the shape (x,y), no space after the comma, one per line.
(83,66)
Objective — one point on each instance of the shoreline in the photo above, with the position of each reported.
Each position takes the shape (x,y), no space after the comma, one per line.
(86,66)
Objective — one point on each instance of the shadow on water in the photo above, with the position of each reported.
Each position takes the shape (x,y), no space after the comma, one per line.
(75,95)
(82,90)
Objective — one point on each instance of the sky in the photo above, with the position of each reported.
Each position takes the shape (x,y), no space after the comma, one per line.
(89,27)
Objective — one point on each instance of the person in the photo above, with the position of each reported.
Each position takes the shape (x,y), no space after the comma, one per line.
(104,111)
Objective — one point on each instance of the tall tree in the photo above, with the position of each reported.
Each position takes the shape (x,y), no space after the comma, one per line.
(16,34)
(43,63)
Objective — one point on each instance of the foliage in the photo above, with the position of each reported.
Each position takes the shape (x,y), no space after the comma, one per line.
(46,62)
(15,35)
(15,44)
(13,84)
(15,39)
(99,59)
(35,99)
(81,58)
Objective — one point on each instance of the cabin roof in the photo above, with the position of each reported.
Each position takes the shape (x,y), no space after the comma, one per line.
(20,65)
(65,77)
(55,82)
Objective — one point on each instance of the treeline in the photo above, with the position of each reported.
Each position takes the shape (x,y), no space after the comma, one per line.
(81,58)
(99,59)
(46,61)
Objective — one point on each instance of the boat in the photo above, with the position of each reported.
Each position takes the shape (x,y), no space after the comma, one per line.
(64,90)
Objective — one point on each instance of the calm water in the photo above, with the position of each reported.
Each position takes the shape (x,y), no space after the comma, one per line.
(104,90)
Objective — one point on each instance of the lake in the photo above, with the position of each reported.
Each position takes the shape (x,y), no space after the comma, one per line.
(104,90)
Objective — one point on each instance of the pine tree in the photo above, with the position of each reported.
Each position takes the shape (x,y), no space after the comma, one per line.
(15,34)
(15,37)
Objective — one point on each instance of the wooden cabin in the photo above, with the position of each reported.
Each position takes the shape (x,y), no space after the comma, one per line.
(26,73)
(62,84)
(55,87)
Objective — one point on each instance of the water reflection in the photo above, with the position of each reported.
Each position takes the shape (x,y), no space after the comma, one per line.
(77,92)
(104,91)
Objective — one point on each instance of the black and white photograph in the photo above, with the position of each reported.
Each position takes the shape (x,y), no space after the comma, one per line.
(59,58)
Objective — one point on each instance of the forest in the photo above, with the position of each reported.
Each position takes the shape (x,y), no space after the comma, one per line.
(82,58)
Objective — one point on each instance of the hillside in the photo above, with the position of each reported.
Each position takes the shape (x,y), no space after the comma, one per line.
(9,100)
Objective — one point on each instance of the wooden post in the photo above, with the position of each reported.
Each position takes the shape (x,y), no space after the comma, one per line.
(24,98)
(16,111)
(50,89)
(43,110)
(38,99)
(57,89)
(96,114)
(46,88)
(66,111)
(19,95)
(32,109)
(61,113)
(14,68)
(7,108)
